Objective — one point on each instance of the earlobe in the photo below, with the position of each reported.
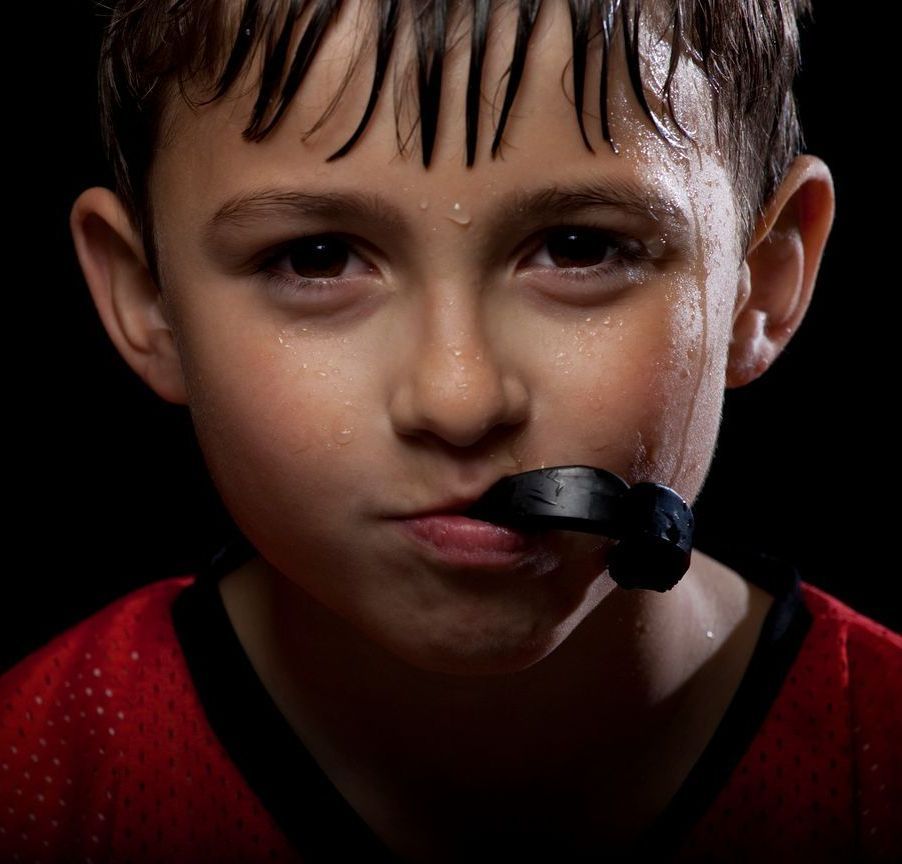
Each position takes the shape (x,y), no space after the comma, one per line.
(127,298)
(776,280)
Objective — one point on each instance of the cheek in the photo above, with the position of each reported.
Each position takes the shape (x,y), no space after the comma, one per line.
(635,390)
(685,386)
(279,420)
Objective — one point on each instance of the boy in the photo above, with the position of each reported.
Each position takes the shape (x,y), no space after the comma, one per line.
(365,675)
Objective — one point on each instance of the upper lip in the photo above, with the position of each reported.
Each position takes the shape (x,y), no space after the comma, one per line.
(455,504)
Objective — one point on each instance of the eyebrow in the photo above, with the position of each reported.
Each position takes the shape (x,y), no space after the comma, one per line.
(624,194)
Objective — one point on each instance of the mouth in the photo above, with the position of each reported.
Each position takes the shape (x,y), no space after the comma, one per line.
(450,537)
(652,522)
(459,541)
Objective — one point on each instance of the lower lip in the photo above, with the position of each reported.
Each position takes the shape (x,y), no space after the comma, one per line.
(464,542)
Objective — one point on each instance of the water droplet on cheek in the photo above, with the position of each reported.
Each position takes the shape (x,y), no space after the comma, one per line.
(342,428)
(342,435)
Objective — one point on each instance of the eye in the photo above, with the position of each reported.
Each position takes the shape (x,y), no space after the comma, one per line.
(312,264)
(582,252)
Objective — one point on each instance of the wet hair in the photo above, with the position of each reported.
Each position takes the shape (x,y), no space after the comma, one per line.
(748,50)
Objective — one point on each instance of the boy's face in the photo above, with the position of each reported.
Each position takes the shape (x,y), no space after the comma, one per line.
(446,341)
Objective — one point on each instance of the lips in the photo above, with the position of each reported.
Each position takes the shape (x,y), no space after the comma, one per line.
(448,536)
(458,541)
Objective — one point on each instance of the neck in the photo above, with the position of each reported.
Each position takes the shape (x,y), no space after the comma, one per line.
(591,724)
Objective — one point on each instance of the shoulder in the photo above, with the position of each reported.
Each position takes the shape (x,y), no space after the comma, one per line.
(105,748)
(73,712)
(108,643)
(848,653)
(84,678)
(822,774)
(859,661)
(871,651)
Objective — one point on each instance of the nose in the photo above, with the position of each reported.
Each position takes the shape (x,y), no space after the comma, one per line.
(452,382)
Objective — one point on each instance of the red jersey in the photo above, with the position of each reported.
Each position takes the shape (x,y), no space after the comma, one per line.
(144,735)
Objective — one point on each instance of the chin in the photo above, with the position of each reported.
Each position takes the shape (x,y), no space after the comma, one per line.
(479,664)
(470,634)
(473,647)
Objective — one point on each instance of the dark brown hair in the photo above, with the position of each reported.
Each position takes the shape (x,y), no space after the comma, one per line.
(747,49)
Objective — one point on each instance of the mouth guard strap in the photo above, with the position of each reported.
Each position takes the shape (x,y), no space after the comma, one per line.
(652,523)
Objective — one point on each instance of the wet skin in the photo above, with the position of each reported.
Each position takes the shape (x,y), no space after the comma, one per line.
(445,343)
(443,355)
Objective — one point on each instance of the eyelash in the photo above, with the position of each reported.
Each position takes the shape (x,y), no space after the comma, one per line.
(627,253)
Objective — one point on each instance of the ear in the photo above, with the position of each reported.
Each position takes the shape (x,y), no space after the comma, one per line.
(127,298)
(778,275)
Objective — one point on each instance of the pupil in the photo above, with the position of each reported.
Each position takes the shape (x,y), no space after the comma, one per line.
(318,258)
(576,248)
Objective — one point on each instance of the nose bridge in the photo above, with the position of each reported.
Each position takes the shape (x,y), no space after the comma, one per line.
(455,383)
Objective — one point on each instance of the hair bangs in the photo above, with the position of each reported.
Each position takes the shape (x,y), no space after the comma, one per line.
(746,49)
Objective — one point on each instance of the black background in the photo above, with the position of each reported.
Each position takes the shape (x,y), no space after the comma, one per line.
(108,486)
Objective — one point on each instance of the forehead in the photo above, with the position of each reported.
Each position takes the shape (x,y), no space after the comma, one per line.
(204,167)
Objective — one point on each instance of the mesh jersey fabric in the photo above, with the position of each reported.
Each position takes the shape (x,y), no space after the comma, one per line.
(143,735)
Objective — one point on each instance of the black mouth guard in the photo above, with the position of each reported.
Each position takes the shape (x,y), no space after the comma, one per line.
(652,524)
